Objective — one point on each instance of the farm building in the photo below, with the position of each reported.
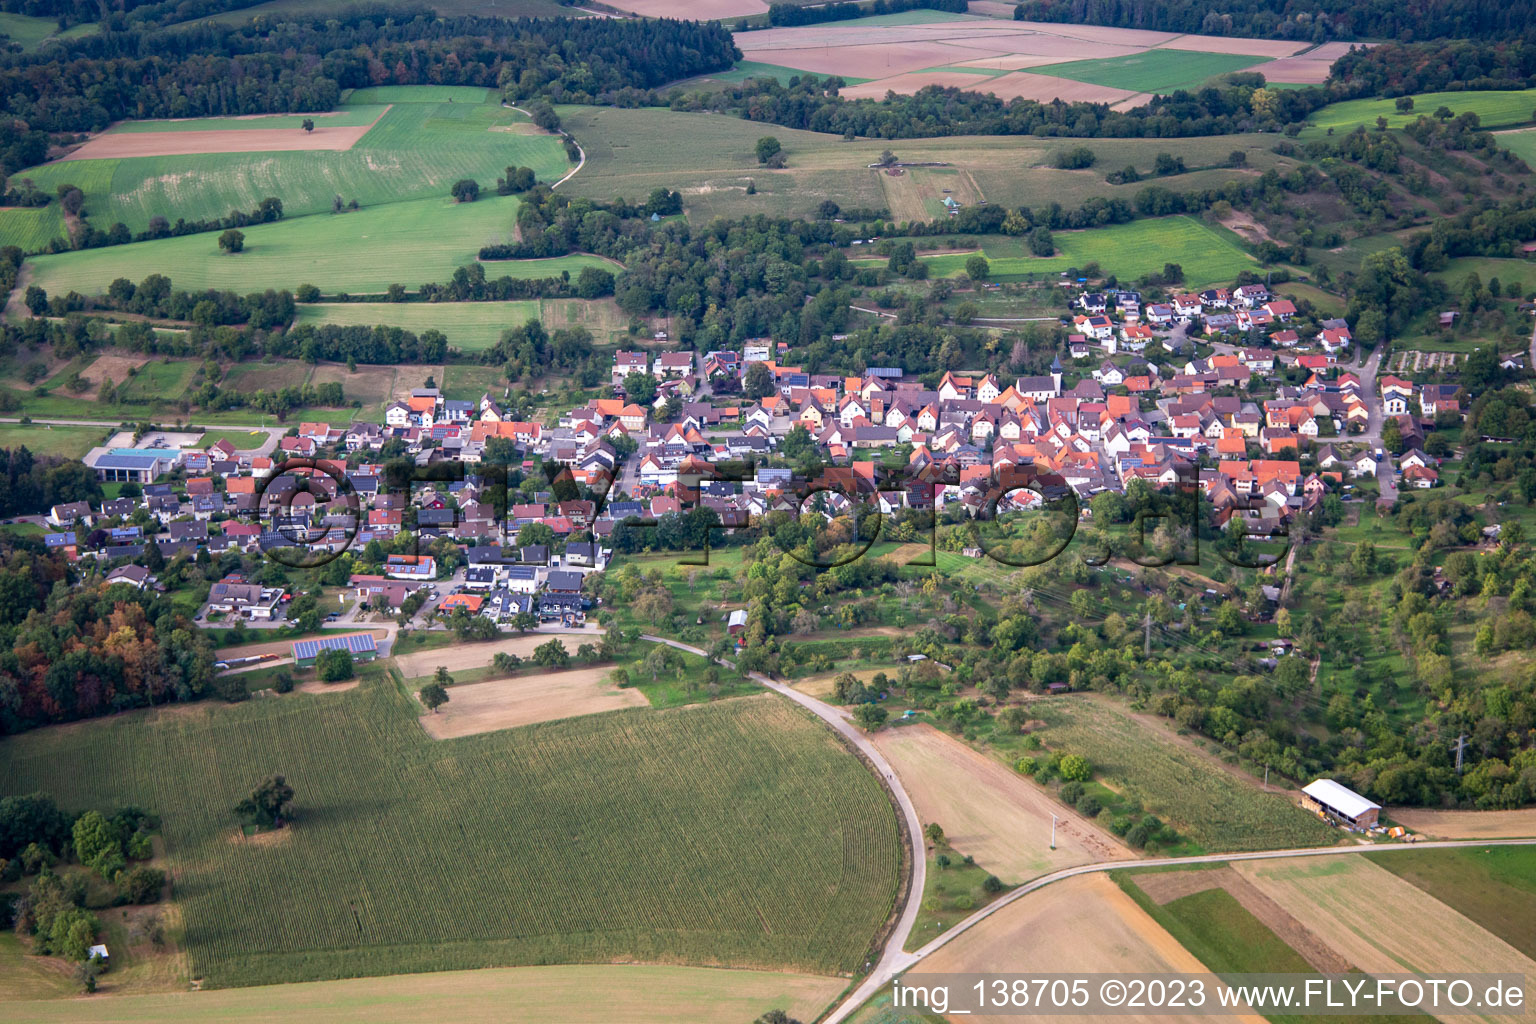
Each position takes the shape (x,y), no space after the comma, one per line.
(1341,803)
(361,645)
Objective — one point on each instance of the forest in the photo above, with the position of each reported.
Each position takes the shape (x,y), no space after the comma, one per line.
(1321,21)
(213,70)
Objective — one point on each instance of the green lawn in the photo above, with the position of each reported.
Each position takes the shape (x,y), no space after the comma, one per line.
(158,380)
(1496,108)
(1494,886)
(1522,143)
(43,439)
(363,251)
(1159,71)
(1127,250)
(470,326)
(1510,272)
(738,833)
(418,149)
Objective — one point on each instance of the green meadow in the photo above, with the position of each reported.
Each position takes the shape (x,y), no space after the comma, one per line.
(1159,71)
(424,141)
(362,251)
(1495,108)
(1127,250)
(470,326)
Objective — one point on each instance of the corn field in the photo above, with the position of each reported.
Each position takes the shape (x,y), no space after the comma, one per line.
(735,833)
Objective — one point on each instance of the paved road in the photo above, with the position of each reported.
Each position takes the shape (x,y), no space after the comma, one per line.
(884,973)
(895,960)
(893,957)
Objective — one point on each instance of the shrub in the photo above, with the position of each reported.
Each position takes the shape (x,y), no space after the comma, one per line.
(992,884)
(965,901)
(1071,792)
(1075,768)
(1024,766)
(1088,805)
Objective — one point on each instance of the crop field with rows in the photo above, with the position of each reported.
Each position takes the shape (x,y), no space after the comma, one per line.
(735,833)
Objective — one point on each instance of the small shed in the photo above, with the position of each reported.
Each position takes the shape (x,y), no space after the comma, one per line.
(1341,803)
(736,622)
(98,952)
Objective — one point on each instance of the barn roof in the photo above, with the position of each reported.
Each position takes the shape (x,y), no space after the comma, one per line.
(1341,798)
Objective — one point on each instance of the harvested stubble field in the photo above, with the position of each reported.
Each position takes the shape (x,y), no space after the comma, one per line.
(738,833)
(1493,886)
(1182,785)
(1520,824)
(579,994)
(230,139)
(524,700)
(1080,924)
(1103,64)
(990,811)
(1381,923)
(697,10)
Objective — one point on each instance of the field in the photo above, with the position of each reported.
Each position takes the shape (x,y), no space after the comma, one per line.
(1495,887)
(1156,71)
(1082,924)
(703,10)
(423,141)
(627,155)
(586,994)
(350,115)
(988,810)
(1127,250)
(364,251)
(524,700)
(918,193)
(1225,921)
(1522,143)
(1199,798)
(31,32)
(1379,922)
(45,439)
(1070,62)
(228,138)
(737,833)
(470,326)
(1519,824)
(1495,108)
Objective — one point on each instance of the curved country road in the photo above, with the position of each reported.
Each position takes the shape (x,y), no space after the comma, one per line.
(892,958)
(895,960)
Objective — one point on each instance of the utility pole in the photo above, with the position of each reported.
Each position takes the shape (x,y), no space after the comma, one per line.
(1460,745)
(1266,777)
(1053,831)
(1146,643)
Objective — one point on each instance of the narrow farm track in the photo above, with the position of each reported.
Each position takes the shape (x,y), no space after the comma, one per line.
(894,960)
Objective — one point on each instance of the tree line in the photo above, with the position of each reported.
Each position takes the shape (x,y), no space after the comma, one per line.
(796,14)
(1319,21)
(299,63)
